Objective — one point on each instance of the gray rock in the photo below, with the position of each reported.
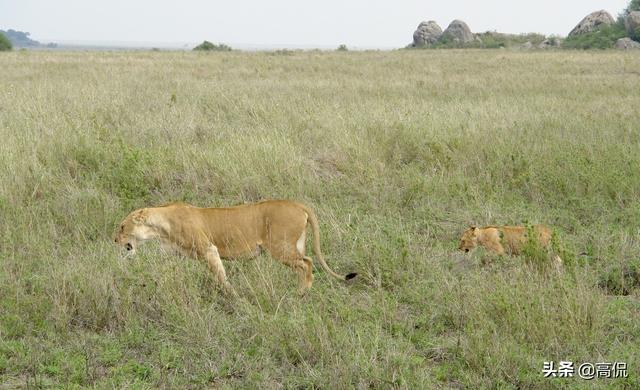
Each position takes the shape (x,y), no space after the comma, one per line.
(459,32)
(527,46)
(627,44)
(427,34)
(549,43)
(632,23)
(592,22)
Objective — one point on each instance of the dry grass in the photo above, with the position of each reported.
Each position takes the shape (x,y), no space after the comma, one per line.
(397,151)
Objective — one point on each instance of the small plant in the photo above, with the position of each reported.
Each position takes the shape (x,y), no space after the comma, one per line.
(342,47)
(533,251)
(621,279)
(282,52)
(131,181)
(5,43)
(559,249)
(208,46)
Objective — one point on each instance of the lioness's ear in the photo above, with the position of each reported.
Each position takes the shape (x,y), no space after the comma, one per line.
(139,216)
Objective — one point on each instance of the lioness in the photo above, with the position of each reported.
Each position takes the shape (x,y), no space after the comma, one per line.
(504,239)
(279,226)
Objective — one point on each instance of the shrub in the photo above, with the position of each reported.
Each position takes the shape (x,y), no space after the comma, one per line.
(342,47)
(634,5)
(489,40)
(603,38)
(208,46)
(5,43)
(281,52)
(621,279)
(533,251)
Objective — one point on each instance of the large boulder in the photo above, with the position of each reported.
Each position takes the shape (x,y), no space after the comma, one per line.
(427,34)
(458,32)
(632,23)
(550,43)
(627,44)
(592,22)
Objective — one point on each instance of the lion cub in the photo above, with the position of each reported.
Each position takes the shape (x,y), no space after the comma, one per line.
(504,239)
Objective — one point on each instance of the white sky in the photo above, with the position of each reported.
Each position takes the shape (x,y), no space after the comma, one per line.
(356,23)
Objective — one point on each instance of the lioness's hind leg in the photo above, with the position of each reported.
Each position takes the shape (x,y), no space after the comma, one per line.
(215,265)
(296,262)
(309,272)
(303,268)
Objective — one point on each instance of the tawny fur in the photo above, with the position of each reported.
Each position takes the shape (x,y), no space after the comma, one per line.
(277,226)
(503,239)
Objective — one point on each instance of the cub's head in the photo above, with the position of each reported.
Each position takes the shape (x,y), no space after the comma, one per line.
(469,239)
(133,230)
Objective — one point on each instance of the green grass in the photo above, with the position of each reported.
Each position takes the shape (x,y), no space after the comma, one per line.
(398,152)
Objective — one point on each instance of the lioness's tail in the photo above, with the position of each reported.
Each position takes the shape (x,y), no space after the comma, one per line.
(313,221)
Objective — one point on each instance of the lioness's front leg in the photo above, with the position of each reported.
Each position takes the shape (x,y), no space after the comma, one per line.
(496,248)
(215,265)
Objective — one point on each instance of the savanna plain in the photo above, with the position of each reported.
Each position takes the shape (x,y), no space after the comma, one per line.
(398,152)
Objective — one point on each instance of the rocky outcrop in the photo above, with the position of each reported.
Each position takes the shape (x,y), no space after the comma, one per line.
(549,43)
(592,22)
(458,32)
(627,44)
(427,34)
(632,23)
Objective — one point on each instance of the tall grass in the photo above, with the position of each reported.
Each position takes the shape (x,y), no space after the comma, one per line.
(398,152)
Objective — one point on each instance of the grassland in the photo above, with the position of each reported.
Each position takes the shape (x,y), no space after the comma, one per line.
(398,152)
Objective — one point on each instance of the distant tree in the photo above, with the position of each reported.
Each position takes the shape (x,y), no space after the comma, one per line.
(20,38)
(208,46)
(634,5)
(342,47)
(5,43)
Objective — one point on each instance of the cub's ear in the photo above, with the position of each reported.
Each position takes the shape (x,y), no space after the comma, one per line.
(472,227)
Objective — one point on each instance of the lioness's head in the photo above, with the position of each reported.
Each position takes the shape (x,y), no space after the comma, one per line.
(132,230)
(469,239)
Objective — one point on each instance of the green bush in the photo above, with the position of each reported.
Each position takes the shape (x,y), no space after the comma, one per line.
(208,46)
(533,251)
(342,47)
(621,279)
(489,40)
(634,5)
(5,43)
(603,38)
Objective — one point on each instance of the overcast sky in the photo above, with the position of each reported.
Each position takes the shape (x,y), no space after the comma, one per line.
(357,23)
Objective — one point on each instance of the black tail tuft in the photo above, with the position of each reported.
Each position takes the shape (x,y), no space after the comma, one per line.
(350,276)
